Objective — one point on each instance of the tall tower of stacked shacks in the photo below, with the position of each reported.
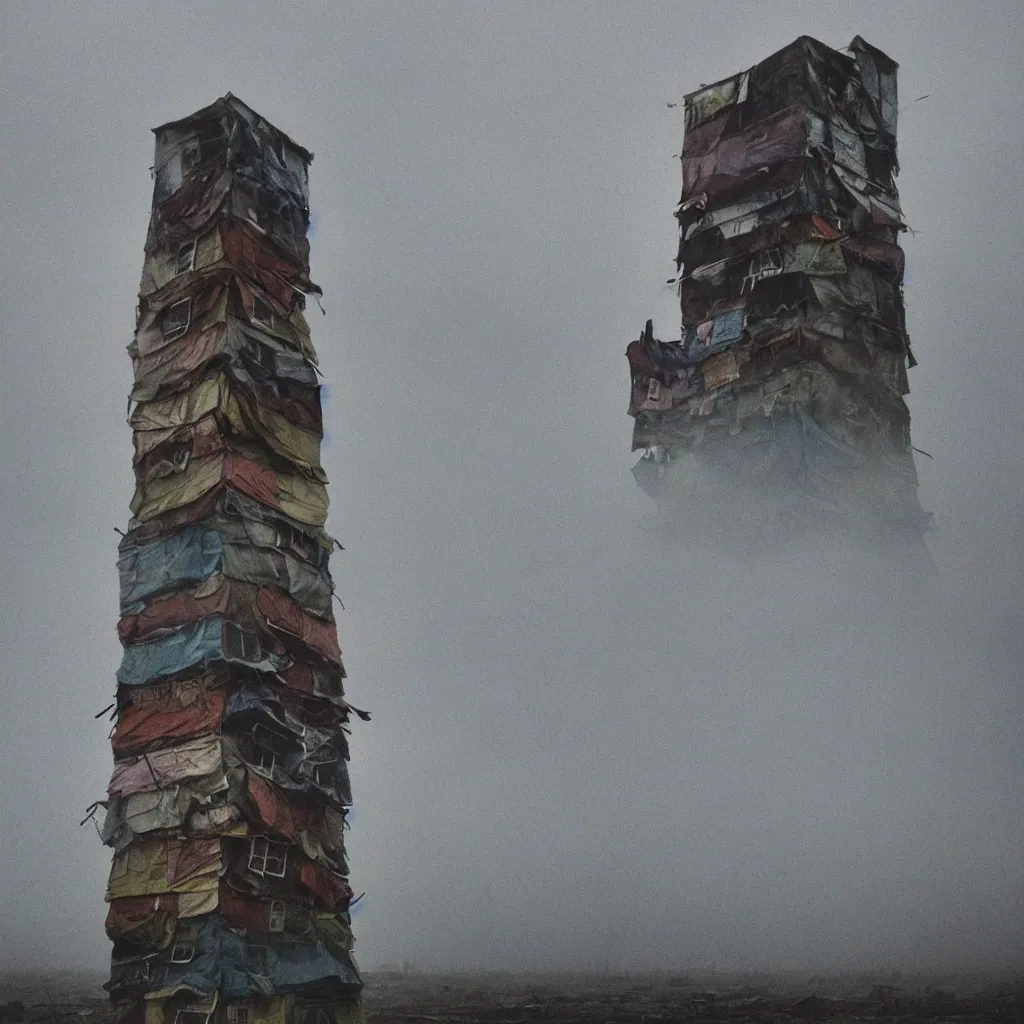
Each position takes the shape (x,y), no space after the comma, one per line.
(229,894)
(783,402)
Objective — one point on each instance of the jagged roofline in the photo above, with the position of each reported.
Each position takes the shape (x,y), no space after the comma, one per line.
(804,41)
(230,101)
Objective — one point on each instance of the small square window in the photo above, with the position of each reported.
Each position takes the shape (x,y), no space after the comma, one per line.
(192,1016)
(324,775)
(190,157)
(767,263)
(287,536)
(182,953)
(277,915)
(267,858)
(186,258)
(277,856)
(176,319)
(240,645)
(184,949)
(262,312)
(269,747)
(653,390)
(238,1013)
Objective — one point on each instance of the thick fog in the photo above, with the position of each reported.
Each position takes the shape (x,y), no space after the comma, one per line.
(591,746)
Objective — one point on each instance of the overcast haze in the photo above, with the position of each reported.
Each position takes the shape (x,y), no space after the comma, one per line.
(590,747)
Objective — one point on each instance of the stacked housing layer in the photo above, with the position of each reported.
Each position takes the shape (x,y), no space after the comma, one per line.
(229,894)
(789,379)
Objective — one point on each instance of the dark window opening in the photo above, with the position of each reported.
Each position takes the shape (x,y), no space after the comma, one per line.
(262,312)
(176,319)
(272,741)
(240,645)
(186,258)
(267,858)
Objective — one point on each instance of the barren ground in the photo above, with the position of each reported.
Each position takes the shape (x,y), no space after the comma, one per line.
(394,997)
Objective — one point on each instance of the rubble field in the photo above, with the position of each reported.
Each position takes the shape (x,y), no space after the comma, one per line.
(393,997)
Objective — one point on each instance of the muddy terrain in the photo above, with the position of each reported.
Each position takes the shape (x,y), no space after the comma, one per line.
(411,997)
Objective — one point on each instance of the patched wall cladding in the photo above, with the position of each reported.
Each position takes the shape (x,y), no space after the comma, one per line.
(789,378)
(229,894)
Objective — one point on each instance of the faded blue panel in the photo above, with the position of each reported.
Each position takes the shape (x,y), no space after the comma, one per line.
(298,965)
(255,697)
(241,966)
(197,645)
(828,462)
(727,329)
(187,556)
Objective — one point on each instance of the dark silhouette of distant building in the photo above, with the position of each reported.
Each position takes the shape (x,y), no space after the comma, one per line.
(782,404)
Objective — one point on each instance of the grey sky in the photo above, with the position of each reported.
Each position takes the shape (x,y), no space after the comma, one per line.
(588,749)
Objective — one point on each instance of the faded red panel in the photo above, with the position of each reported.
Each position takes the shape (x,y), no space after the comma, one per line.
(329,887)
(143,920)
(233,598)
(299,676)
(878,250)
(176,717)
(824,228)
(271,806)
(195,203)
(258,263)
(194,350)
(252,915)
(253,478)
(284,613)
(722,161)
(280,811)
(301,413)
(306,817)
(175,609)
